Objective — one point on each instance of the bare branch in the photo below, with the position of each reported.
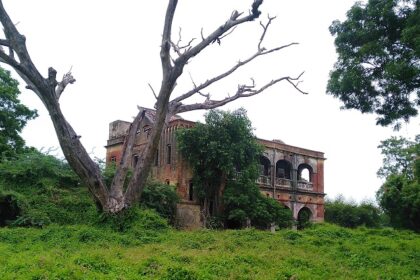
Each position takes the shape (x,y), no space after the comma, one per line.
(166,37)
(228,72)
(67,79)
(242,91)
(265,28)
(153,91)
(233,21)
(122,170)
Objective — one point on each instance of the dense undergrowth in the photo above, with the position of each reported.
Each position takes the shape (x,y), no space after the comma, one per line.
(147,251)
(57,233)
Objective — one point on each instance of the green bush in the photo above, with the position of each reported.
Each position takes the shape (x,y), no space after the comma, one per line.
(350,214)
(36,169)
(160,197)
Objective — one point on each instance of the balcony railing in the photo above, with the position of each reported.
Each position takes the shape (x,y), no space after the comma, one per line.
(284,183)
(264,180)
(305,185)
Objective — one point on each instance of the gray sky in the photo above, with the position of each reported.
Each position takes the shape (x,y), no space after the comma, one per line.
(113,48)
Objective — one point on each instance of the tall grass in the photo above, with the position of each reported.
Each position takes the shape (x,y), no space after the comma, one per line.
(144,252)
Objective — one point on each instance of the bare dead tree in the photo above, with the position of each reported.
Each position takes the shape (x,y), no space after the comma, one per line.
(114,198)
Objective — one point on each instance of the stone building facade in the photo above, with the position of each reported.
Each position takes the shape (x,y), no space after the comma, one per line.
(293,176)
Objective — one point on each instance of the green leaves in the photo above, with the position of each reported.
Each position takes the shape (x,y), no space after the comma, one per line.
(13,116)
(399,196)
(225,149)
(378,67)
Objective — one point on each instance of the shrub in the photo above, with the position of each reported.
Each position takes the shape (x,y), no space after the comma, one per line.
(160,197)
(350,214)
(36,169)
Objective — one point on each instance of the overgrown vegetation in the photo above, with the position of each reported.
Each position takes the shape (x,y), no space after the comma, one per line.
(351,214)
(37,189)
(320,252)
(224,156)
(399,196)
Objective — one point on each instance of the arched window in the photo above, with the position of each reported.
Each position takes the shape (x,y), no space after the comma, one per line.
(265,165)
(305,173)
(283,169)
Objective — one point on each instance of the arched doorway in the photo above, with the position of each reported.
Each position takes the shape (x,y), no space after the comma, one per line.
(304,218)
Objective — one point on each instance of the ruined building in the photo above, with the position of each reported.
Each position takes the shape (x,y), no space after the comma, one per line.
(293,176)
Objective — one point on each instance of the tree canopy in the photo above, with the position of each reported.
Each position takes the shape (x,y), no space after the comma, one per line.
(13,116)
(224,154)
(399,196)
(378,67)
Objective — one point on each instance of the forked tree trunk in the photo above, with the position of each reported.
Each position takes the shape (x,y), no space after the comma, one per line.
(114,198)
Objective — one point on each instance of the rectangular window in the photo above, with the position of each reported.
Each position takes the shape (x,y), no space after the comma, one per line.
(168,154)
(157,158)
(135,160)
(113,159)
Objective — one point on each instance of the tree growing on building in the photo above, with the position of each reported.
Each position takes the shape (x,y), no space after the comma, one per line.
(174,56)
(224,156)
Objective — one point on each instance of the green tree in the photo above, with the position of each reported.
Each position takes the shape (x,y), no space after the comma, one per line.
(13,116)
(378,67)
(223,154)
(399,154)
(399,196)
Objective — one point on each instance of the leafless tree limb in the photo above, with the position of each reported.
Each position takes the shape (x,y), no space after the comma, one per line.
(67,79)
(211,81)
(265,28)
(153,91)
(242,91)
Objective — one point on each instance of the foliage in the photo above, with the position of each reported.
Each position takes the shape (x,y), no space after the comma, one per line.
(156,195)
(225,151)
(133,219)
(36,169)
(399,196)
(45,190)
(350,214)
(160,197)
(13,116)
(321,252)
(378,66)
(400,200)
(399,155)
(222,146)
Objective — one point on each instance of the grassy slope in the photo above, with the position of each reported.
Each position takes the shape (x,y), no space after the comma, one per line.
(322,252)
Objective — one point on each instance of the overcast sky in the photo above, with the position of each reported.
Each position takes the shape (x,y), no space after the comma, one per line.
(113,49)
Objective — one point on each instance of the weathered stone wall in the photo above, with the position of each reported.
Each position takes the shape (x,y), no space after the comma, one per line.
(188,216)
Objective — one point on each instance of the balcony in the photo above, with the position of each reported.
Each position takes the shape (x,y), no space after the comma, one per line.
(264,180)
(283,183)
(308,186)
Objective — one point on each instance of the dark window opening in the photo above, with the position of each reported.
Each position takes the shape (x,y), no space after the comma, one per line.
(191,192)
(157,158)
(135,160)
(167,181)
(113,159)
(265,166)
(283,169)
(168,154)
(146,129)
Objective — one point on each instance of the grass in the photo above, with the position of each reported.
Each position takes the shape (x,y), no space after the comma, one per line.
(321,252)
